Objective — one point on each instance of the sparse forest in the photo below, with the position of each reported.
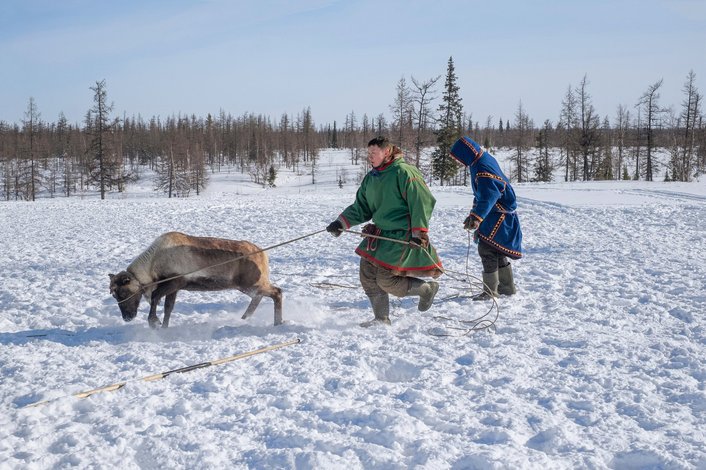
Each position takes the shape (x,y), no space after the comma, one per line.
(104,153)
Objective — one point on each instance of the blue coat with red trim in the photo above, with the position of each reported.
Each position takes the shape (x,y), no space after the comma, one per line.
(494,201)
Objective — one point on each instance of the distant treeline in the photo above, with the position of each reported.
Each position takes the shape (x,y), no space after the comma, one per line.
(105,153)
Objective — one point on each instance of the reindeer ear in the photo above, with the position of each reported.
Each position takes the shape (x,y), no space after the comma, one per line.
(111,276)
(125,281)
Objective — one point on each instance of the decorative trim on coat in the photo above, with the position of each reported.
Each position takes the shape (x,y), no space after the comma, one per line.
(497,226)
(344,221)
(477,153)
(485,174)
(511,253)
(433,270)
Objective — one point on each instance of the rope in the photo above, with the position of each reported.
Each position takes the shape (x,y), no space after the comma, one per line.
(331,285)
(380,237)
(477,324)
(143,287)
(481,323)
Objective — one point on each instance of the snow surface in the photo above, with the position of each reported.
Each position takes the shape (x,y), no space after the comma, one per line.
(597,362)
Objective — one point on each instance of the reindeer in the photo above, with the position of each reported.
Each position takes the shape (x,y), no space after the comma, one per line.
(177,261)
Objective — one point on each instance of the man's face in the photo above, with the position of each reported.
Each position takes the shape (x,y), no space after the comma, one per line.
(376,155)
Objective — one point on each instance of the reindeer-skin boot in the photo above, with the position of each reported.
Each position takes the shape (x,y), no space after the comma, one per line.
(381,309)
(507,282)
(426,290)
(490,287)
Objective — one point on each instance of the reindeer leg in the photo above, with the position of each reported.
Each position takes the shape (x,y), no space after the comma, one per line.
(152,317)
(253,305)
(277,298)
(169,302)
(273,292)
(168,290)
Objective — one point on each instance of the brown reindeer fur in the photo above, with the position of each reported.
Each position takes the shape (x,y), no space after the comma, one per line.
(177,254)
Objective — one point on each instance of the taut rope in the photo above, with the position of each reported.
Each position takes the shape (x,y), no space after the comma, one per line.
(476,324)
(143,287)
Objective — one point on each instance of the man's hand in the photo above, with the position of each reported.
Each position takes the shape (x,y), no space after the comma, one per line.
(419,240)
(335,228)
(471,223)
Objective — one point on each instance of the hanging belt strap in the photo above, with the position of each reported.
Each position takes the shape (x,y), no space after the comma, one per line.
(372,229)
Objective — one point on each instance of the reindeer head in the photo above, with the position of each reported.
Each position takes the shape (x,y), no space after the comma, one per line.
(127,291)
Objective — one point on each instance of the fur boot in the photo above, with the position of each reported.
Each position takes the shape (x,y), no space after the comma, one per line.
(507,282)
(381,309)
(490,287)
(426,290)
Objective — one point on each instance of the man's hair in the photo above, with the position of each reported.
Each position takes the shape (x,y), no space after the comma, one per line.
(380,141)
(384,143)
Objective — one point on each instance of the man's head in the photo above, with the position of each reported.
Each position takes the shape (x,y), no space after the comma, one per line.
(381,151)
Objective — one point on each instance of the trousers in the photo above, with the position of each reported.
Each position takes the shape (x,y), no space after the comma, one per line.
(377,280)
(491,258)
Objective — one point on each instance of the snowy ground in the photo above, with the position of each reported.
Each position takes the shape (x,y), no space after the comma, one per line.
(597,362)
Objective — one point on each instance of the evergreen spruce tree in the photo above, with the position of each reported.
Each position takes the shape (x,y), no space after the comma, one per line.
(171,176)
(32,127)
(450,125)
(604,171)
(271,176)
(106,167)
(675,176)
(604,168)
(542,165)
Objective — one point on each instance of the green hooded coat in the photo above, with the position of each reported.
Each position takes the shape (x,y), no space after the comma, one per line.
(400,205)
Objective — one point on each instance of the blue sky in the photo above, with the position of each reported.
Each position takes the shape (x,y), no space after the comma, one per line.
(268,57)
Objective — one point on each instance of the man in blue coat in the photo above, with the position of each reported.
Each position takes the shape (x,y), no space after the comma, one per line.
(493,217)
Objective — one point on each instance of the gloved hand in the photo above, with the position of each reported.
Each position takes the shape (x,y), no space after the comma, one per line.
(370,229)
(335,228)
(471,223)
(419,240)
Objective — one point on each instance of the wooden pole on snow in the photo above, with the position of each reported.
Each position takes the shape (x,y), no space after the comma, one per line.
(161,375)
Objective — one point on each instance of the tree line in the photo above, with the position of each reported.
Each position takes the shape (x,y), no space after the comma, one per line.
(105,152)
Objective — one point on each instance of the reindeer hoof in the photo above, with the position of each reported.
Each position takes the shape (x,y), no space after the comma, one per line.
(154,322)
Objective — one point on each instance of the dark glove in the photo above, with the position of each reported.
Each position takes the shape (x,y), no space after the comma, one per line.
(471,223)
(421,240)
(371,229)
(335,228)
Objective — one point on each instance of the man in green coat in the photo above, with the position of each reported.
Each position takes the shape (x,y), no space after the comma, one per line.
(394,196)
